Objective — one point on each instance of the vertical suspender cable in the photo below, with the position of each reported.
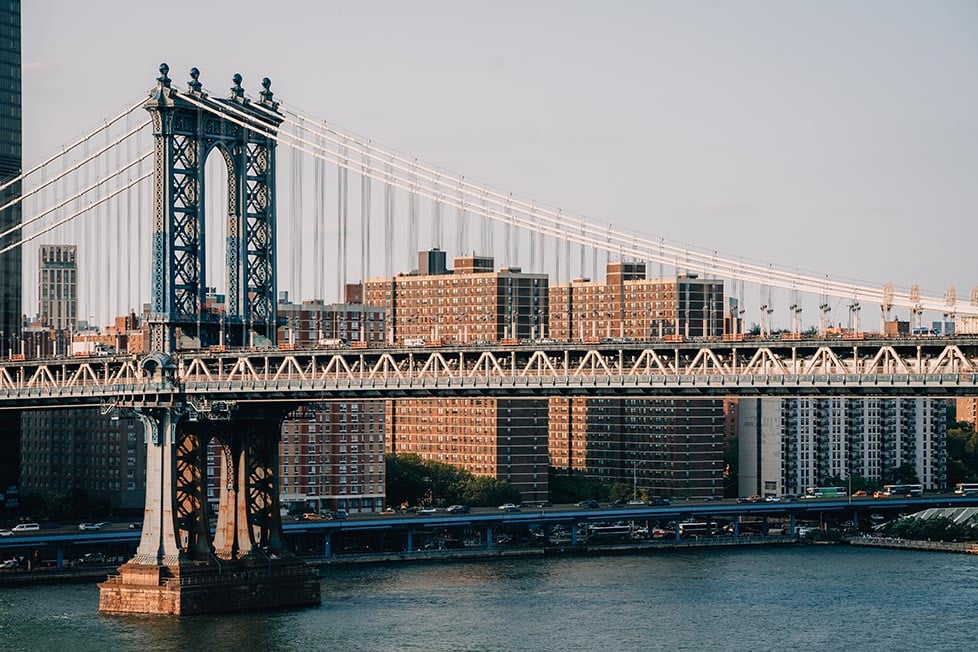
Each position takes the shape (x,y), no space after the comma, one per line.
(295,220)
(461,225)
(364,225)
(342,205)
(388,225)
(412,240)
(436,229)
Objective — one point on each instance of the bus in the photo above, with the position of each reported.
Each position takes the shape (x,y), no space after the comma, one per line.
(618,532)
(687,528)
(904,490)
(966,488)
(826,492)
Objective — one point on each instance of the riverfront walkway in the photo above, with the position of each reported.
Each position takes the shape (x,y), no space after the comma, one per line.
(910,544)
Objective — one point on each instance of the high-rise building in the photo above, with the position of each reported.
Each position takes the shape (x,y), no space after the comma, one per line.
(790,444)
(628,305)
(501,438)
(967,410)
(11,312)
(100,454)
(468,304)
(58,287)
(331,455)
(663,447)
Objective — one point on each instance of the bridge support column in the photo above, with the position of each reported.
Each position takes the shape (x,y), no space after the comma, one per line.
(488,537)
(791,524)
(736,527)
(410,541)
(328,544)
(177,568)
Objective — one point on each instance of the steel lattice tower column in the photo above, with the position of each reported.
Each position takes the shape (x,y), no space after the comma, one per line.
(185,134)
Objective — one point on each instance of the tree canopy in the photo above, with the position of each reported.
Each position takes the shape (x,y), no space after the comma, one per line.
(415,481)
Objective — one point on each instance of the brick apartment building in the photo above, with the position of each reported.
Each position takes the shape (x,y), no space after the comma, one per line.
(501,438)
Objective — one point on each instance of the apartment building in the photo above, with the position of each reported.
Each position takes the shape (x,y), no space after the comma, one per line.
(664,447)
(472,303)
(103,455)
(789,444)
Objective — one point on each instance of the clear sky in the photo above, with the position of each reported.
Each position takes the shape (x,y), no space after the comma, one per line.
(836,137)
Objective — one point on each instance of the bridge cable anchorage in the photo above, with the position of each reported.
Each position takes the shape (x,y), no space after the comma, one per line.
(590,234)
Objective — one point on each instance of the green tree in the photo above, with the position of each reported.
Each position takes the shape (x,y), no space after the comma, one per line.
(415,481)
(405,479)
(620,491)
(485,491)
(906,473)
(573,487)
(962,453)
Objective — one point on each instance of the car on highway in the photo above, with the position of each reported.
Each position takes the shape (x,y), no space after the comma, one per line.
(26,527)
(458,509)
(589,504)
(6,533)
(336,515)
(389,511)
(636,501)
(103,524)
(659,502)
(427,510)
(309,516)
(89,526)
(509,507)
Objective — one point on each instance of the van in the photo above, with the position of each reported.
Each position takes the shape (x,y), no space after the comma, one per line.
(414,341)
(26,527)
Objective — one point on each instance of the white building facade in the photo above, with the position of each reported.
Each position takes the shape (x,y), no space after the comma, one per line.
(789,444)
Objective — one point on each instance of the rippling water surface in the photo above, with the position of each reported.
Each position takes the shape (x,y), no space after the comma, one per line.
(795,598)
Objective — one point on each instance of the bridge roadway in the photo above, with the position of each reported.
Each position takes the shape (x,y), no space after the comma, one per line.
(909,366)
(54,542)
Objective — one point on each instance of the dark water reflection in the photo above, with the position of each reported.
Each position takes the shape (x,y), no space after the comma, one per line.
(810,598)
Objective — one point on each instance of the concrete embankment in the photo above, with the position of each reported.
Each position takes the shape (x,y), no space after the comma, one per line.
(627,547)
(98,574)
(910,544)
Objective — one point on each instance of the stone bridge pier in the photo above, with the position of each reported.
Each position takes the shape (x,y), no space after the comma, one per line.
(189,560)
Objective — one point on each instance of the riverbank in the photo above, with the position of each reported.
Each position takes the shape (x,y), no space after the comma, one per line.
(909,544)
(627,547)
(99,573)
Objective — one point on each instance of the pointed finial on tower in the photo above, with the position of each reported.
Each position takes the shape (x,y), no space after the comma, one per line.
(163,80)
(236,90)
(193,83)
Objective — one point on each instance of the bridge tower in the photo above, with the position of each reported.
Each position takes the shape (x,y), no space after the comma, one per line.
(182,565)
(185,135)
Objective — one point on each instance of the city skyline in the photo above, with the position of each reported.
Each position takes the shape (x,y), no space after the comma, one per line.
(739,130)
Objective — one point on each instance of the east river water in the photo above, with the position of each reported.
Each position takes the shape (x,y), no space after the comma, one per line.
(795,598)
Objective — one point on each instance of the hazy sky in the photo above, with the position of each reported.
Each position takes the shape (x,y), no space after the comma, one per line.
(836,137)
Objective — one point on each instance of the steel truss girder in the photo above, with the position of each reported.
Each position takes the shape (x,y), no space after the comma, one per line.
(204,379)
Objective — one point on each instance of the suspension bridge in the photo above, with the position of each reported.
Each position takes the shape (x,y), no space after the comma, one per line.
(133,196)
